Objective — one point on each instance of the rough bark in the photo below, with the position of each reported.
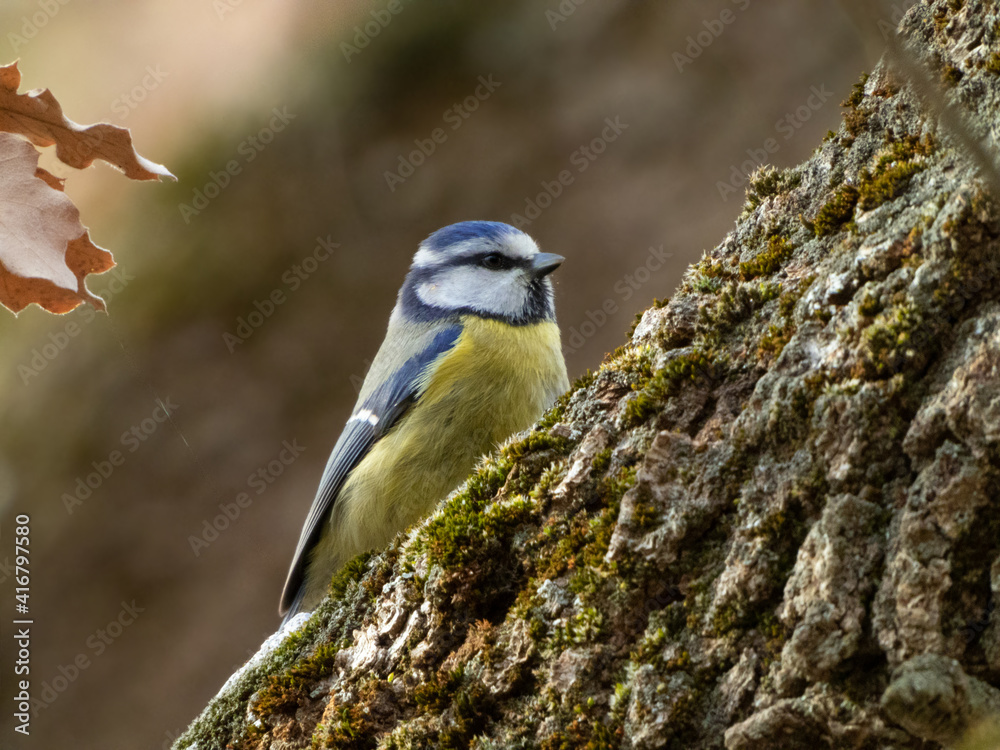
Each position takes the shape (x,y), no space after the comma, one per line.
(771,519)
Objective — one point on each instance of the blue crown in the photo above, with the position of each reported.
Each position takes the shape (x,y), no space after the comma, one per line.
(493,231)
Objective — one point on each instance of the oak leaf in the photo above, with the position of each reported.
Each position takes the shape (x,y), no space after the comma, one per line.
(39,117)
(45,251)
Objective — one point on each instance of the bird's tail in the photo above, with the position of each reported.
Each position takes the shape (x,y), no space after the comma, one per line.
(293,609)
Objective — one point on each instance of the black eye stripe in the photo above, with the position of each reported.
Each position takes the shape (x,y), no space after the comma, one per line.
(476,260)
(496,262)
(493,260)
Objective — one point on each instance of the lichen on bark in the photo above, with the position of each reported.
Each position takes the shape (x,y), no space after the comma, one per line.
(771,519)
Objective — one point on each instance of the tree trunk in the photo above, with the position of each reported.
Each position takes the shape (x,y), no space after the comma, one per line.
(770,520)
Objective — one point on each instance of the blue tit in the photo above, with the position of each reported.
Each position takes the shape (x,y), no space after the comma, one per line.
(471,356)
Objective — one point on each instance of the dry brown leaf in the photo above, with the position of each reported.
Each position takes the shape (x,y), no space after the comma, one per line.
(38,116)
(45,251)
(57,182)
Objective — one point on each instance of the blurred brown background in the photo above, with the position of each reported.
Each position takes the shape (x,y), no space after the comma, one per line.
(309,136)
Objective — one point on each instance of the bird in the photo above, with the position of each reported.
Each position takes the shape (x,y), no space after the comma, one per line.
(471,356)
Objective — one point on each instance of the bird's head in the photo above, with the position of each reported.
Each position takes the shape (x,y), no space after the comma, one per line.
(483,268)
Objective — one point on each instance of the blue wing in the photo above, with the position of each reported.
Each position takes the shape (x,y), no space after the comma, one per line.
(371,420)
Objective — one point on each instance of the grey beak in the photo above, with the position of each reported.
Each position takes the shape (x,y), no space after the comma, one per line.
(545,263)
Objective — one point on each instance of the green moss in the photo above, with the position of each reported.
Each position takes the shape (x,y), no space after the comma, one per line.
(667,381)
(788,301)
(582,628)
(697,599)
(610,491)
(892,172)
(993,64)
(467,701)
(537,628)
(351,726)
(767,182)
(663,627)
(768,261)
(583,381)
(769,290)
(647,650)
(636,362)
(435,694)
(854,123)
(351,573)
(585,732)
(887,184)
(775,633)
(951,75)
(453,538)
(886,340)
(712,268)
(706,284)
(857,93)
(346,730)
(854,118)
(471,711)
(869,305)
(577,544)
(734,306)
(644,516)
(707,275)
(550,476)
(601,461)
(773,342)
(836,212)
(728,617)
(535,442)
(226,716)
(285,692)
(558,410)
(555,415)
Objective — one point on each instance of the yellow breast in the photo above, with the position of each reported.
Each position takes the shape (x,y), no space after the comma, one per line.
(497,380)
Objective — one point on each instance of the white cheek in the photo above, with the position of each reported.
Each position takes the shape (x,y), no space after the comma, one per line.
(475,288)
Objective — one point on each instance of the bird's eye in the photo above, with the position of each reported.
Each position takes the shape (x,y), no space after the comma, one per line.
(494,262)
